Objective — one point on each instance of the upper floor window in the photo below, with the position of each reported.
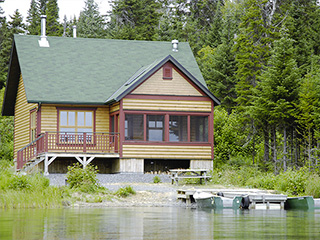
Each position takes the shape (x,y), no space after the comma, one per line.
(167,73)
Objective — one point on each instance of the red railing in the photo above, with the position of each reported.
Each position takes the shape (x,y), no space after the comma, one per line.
(68,142)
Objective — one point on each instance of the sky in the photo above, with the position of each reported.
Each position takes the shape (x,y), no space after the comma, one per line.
(66,7)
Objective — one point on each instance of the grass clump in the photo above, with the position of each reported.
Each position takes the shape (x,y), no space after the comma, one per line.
(83,179)
(156,179)
(125,191)
(27,191)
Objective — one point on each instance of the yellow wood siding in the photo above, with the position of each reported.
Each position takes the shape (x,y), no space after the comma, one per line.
(115,107)
(166,105)
(102,119)
(48,118)
(177,86)
(21,119)
(166,152)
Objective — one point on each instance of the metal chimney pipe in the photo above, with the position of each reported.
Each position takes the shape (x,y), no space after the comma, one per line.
(175,43)
(74,31)
(43,42)
(43,26)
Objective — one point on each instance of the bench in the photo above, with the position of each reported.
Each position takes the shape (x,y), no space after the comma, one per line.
(177,174)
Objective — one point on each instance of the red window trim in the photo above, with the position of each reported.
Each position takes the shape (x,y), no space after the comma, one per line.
(167,73)
(75,109)
(166,127)
(30,112)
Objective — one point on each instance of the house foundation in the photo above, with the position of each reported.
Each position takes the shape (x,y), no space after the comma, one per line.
(201,164)
(128,165)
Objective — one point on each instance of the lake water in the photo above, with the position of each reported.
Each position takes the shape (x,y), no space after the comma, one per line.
(158,223)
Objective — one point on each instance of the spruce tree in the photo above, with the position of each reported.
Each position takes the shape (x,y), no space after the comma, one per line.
(303,24)
(134,19)
(33,18)
(252,49)
(43,6)
(218,64)
(278,93)
(90,24)
(15,26)
(53,28)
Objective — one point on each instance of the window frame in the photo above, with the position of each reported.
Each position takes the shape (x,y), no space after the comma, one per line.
(33,125)
(166,127)
(65,139)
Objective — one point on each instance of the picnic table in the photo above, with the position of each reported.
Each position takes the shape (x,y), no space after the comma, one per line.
(177,174)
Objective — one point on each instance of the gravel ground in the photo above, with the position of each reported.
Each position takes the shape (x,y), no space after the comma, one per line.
(162,194)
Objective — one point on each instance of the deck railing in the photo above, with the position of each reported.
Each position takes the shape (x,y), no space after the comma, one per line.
(68,143)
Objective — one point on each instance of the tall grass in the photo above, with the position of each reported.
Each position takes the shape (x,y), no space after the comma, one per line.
(27,191)
(292,182)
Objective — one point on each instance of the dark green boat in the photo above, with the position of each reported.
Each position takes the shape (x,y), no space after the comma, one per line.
(207,200)
(304,203)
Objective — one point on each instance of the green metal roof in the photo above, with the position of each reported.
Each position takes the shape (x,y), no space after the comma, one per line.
(85,70)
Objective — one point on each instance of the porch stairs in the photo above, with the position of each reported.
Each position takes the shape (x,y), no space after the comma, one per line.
(30,165)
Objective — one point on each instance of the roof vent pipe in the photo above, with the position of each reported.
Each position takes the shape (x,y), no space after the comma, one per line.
(175,43)
(43,42)
(74,31)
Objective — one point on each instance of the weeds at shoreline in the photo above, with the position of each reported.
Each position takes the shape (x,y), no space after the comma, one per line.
(19,190)
(292,182)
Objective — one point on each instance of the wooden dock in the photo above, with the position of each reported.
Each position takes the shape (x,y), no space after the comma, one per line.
(259,199)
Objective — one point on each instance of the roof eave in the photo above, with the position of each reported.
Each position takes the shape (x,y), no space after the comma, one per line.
(155,68)
(12,83)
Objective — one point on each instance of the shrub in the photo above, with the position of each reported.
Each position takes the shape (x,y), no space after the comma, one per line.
(83,179)
(313,186)
(156,179)
(125,192)
(264,181)
(292,182)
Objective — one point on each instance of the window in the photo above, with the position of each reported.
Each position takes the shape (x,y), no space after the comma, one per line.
(33,125)
(199,128)
(134,127)
(171,128)
(75,122)
(155,128)
(178,129)
(167,73)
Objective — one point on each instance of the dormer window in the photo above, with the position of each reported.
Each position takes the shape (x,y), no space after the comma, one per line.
(167,73)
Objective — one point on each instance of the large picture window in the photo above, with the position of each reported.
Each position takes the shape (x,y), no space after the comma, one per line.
(178,129)
(75,122)
(155,127)
(134,127)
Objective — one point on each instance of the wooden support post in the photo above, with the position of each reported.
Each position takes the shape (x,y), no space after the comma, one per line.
(47,162)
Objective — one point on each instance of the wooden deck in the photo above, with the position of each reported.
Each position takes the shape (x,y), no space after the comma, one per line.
(51,145)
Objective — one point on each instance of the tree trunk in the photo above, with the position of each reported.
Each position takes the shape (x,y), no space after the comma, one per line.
(285,149)
(274,149)
(266,145)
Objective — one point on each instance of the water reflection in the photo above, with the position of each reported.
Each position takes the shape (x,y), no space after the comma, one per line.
(158,223)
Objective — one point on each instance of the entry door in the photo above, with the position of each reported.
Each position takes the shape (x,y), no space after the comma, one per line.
(114,131)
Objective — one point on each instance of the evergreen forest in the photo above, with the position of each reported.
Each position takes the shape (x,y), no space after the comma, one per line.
(261,58)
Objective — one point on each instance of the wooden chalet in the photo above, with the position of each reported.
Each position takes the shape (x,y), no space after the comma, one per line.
(125,106)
